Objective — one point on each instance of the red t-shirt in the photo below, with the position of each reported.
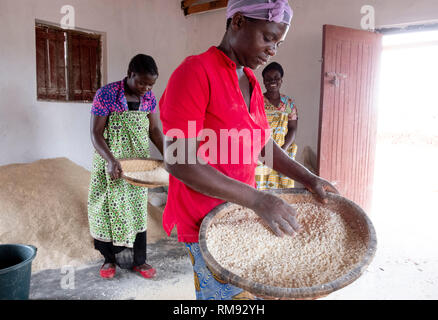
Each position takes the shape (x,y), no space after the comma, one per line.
(203,99)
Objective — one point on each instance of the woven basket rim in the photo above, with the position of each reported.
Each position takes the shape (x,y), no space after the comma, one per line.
(281,292)
(141,158)
(142,182)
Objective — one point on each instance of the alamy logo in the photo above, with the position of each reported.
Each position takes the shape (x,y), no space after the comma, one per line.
(368,20)
(231,146)
(68,20)
(68,280)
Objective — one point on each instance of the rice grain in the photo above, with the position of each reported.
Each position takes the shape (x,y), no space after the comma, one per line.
(326,248)
(158,175)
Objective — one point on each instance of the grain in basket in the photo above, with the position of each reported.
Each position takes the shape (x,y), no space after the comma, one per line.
(157,175)
(327,247)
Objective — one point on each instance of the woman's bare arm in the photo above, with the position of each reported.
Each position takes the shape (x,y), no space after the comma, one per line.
(289,139)
(282,163)
(205,179)
(154,131)
(97,127)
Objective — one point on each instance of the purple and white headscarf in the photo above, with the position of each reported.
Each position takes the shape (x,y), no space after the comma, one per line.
(271,10)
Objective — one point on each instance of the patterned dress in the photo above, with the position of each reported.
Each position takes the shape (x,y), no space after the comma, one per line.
(117,210)
(207,285)
(278,118)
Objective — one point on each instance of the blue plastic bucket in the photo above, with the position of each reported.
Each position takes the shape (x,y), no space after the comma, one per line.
(15,271)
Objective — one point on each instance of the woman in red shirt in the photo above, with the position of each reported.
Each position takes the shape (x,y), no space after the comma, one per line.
(213,108)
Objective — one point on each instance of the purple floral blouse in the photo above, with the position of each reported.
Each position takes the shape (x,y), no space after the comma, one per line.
(111,98)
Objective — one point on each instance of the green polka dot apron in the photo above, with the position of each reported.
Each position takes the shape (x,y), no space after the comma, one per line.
(117,210)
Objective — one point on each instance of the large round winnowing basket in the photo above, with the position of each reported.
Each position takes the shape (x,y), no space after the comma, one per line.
(141,164)
(350,212)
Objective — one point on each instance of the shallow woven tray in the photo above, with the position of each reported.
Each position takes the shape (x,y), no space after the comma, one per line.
(349,211)
(141,164)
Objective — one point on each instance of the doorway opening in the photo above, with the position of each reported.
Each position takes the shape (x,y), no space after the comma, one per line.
(405,196)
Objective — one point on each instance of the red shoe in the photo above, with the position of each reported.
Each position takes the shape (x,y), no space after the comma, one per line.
(108,273)
(149,273)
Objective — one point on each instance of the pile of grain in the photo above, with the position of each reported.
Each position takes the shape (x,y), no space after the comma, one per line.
(324,250)
(156,176)
(44,204)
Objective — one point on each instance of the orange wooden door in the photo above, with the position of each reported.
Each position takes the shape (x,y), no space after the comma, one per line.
(348,111)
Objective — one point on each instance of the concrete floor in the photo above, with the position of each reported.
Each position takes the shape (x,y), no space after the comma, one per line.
(394,277)
(395,273)
(405,216)
(405,265)
(390,276)
(174,279)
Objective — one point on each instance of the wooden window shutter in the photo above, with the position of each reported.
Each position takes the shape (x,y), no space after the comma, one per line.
(50,63)
(84,65)
(198,6)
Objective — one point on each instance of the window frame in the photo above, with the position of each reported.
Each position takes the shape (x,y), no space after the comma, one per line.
(68,64)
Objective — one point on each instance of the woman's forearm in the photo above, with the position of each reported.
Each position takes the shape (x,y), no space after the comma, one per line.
(101,147)
(289,139)
(289,167)
(154,131)
(207,180)
(203,178)
(97,127)
(157,138)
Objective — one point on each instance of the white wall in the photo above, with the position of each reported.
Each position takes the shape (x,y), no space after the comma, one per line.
(30,130)
(301,53)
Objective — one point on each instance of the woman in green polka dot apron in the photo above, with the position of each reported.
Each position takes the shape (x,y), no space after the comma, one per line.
(123,119)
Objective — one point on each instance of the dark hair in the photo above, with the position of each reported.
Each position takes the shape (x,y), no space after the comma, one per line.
(143,64)
(228,23)
(246,18)
(273,66)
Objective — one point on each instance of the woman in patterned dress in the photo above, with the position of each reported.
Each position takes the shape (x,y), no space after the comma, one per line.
(123,118)
(282,116)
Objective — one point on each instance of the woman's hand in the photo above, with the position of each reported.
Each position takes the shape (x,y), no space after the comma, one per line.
(114,169)
(320,187)
(277,214)
(296,171)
